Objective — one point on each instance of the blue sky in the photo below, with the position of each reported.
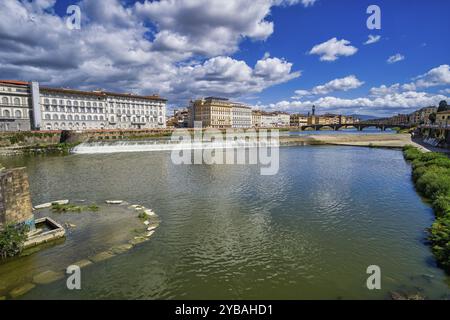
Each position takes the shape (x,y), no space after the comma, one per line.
(259,52)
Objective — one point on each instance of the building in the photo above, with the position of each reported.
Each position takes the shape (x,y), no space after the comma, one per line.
(15,106)
(180,118)
(298,120)
(422,116)
(241,116)
(220,113)
(67,109)
(443,118)
(256,118)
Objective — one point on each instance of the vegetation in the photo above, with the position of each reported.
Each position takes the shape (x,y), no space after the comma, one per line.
(442,106)
(12,238)
(431,174)
(64,208)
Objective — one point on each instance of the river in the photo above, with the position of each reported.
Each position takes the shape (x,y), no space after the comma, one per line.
(227,232)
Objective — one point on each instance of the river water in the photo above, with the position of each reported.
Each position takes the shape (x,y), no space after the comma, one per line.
(227,232)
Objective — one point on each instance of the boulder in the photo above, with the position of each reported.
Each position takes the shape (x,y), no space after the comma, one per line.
(149,212)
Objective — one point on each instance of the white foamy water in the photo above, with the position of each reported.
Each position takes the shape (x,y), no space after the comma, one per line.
(149,146)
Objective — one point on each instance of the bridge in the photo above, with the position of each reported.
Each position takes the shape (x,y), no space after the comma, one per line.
(360,126)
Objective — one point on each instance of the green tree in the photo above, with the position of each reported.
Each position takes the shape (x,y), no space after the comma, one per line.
(432,117)
(443,106)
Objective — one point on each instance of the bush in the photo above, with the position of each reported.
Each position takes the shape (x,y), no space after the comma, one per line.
(431,173)
(12,238)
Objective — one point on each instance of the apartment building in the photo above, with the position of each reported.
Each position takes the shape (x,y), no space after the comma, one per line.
(298,120)
(46,108)
(215,112)
(15,106)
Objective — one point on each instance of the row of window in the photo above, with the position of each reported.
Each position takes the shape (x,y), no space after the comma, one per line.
(74,103)
(14,101)
(76,117)
(73,109)
(7,113)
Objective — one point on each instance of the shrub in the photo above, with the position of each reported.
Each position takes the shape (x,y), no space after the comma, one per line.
(12,238)
(431,173)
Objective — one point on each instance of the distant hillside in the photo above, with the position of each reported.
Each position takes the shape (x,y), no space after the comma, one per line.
(364,117)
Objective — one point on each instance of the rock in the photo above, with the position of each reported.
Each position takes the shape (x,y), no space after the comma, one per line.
(149,234)
(48,276)
(146,222)
(137,240)
(102,256)
(43,206)
(397,296)
(151,228)
(416,296)
(121,249)
(114,201)
(17,292)
(82,263)
(60,202)
(149,212)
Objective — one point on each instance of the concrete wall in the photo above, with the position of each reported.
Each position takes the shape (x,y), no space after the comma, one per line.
(15,199)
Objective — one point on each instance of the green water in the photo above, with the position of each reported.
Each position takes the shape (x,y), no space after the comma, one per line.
(308,232)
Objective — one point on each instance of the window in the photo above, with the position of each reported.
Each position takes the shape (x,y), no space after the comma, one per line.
(47,117)
(6,113)
(17,101)
(4,100)
(55,117)
(18,114)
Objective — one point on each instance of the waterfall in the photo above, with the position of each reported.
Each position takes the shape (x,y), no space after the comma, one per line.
(165,145)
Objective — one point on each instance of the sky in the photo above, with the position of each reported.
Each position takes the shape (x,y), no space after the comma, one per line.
(278,55)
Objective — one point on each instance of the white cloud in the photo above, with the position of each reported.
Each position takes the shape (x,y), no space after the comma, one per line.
(398,102)
(445,91)
(183,55)
(395,58)
(372,39)
(341,84)
(333,48)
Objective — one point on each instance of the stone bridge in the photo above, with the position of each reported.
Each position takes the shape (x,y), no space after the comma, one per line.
(358,126)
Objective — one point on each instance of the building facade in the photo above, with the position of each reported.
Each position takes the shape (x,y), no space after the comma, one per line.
(31,107)
(220,113)
(15,106)
(298,120)
(241,116)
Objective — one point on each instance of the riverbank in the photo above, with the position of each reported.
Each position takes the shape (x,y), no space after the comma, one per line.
(431,175)
(358,140)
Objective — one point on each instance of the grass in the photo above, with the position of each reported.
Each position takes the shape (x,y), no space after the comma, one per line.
(431,175)
(66,208)
(12,238)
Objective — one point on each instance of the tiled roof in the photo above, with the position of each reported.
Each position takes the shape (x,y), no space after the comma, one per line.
(20,83)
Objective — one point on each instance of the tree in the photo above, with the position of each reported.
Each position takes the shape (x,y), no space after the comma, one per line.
(432,117)
(443,106)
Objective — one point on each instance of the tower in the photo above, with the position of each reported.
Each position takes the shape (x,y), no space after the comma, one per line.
(313,110)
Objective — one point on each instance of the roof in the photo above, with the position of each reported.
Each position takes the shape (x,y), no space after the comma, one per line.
(14,82)
(101,93)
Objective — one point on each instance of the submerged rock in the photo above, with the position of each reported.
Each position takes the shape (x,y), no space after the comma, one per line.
(20,291)
(82,263)
(121,249)
(48,276)
(43,206)
(395,295)
(114,201)
(60,202)
(138,240)
(102,256)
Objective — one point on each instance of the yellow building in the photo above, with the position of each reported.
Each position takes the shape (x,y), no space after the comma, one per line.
(443,118)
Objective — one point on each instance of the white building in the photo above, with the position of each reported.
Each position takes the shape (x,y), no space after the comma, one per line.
(15,106)
(67,109)
(241,116)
